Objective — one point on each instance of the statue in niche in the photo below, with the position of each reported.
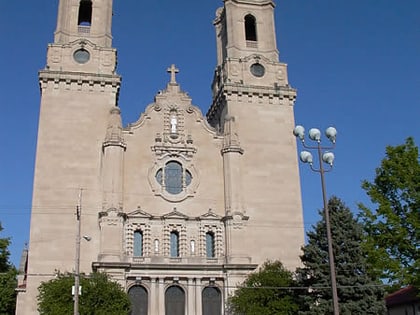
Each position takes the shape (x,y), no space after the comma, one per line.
(174,123)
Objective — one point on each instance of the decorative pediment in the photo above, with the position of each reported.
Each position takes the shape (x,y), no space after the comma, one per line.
(139,213)
(175,214)
(210,215)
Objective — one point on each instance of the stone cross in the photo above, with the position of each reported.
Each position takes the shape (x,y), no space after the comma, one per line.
(173,71)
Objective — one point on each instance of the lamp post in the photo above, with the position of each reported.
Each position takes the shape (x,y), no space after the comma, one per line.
(76,267)
(76,289)
(77,258)
(328,158)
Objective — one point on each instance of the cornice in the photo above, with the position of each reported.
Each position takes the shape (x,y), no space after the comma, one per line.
(79,77)
(253,2)
(266,94)
(199,267)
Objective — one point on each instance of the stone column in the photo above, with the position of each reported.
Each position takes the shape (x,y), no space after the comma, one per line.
(190,297)
(161,296)
(113,157)
(154,296)
(234,209)
(198,302)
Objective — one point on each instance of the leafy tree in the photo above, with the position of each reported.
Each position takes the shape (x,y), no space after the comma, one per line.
(358,292)
(393,226)
(100,296)
(8,281)
(265,292)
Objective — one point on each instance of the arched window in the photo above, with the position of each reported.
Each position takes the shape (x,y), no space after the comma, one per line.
(250,28)
(173,177)
(85,13)
(156,246)
(174,301)
(212,301)
(174,244)
(210,252)
(138,244)
(139,300)
(192,247)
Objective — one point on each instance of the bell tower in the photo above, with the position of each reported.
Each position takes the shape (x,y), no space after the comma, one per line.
(84,18)
(253,109)
(79,89)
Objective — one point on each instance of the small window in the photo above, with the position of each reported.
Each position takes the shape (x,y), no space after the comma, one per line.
(250,28)
(210,252)
(173,177)
(174,244)
(138,244)
(85,13)
(192,246)
(156,246)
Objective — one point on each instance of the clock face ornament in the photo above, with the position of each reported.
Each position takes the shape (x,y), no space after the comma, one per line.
(81,56)
(257,70)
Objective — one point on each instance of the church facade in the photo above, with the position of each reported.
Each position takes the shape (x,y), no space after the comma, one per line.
(178,207)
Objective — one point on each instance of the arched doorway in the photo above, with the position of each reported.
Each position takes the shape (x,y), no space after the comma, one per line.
(139,300)
(174,301)
(212,301)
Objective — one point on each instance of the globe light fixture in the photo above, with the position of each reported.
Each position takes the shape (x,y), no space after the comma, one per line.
(327,157)
(306,157)
(331,133)
(299,132)
(315,134)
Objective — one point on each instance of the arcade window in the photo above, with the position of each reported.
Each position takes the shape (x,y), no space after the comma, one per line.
(250,28)
(85,13)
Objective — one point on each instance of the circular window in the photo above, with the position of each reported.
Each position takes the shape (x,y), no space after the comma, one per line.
(173,177)
(257,70)
(81,56)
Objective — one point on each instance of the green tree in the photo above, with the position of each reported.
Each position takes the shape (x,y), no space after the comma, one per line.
(8,281)
(265,292)
(392,225)
(100,296)
(358,292)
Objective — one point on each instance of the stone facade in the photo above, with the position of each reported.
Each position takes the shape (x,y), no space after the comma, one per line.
(176,204)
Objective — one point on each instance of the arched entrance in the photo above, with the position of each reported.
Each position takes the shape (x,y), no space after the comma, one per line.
(212,301)
(175,301)
(139,300)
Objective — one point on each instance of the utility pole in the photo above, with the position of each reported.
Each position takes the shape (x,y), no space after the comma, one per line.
(77,258)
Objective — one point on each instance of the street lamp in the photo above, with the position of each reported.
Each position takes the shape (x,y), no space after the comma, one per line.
(76,289)
(327,157)
(77,260)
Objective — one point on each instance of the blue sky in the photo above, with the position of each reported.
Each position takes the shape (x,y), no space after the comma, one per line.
(355,65)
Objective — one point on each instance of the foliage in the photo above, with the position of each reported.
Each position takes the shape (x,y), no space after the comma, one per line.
(265,292)
(393,226)
(8,285)
(4,253)
(358,292)
(8,281)
(100,296)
